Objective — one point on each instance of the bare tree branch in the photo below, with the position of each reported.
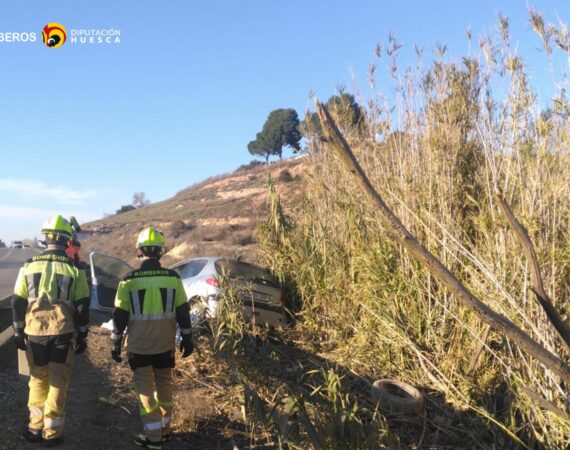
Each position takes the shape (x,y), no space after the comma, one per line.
(538,286)
(545,403)
(480,347)
(502,324)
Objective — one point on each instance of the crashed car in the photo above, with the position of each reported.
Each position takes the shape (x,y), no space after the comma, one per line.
(261,295)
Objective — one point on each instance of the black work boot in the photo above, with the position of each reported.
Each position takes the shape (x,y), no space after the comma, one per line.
(54,442)
(33,436)
(142,441)
(166,437)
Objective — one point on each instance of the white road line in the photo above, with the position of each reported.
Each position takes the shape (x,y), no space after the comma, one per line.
(7,254)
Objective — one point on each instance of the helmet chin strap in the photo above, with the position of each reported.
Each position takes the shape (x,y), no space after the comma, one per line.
(142,254)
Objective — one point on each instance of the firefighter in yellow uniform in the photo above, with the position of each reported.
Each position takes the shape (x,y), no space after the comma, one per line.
(50,308)
(151,300)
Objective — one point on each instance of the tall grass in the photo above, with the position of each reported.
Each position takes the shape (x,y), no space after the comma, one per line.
(438,144)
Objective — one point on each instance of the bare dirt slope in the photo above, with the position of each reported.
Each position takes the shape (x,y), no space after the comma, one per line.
(216,217)
(102,412)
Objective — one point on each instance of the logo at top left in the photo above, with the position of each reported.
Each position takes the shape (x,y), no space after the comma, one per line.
(54,35)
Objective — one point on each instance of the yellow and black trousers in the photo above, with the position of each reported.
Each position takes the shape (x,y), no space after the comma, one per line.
(152,376)
(50,359)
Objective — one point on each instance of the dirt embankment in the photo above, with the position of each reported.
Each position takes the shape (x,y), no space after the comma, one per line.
(216,217)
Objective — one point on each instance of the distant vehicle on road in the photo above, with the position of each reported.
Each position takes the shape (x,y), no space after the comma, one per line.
(103,229)
(17,244)
(262,296)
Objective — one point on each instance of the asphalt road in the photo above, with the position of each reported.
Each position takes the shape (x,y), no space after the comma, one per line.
(11,259)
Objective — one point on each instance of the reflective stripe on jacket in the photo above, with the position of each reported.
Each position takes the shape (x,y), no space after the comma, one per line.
(150,295)
(52,285)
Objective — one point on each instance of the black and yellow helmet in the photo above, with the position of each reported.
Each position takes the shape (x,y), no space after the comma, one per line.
(57,228)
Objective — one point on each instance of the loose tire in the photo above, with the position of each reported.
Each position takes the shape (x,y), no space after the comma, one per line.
(397,397)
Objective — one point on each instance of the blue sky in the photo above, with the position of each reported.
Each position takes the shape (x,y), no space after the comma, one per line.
(84,126)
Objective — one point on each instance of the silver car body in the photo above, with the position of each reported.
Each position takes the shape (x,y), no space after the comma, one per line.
(261,295)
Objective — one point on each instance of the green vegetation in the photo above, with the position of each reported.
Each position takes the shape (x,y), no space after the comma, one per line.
(124,209)
(250,165)
(347,112)
(280,129)
(285,176)
(139,200)
(376,312)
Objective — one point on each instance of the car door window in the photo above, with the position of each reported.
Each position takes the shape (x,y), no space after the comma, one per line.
(178,268)
(107,272)
(193,268)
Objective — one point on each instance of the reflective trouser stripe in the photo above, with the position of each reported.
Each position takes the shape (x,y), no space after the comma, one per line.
(48,391)
(163,379)
(36,418)
(153,426)
(151,415)
(36,412)
(52,423)
(39,388)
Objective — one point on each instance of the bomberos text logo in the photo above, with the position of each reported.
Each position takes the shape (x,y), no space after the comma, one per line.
(54,35)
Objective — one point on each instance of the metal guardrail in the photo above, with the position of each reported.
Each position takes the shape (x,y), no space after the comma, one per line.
(8,332)
(5,302)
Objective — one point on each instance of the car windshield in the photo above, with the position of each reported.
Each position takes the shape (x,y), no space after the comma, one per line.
(193,268)
(246,271)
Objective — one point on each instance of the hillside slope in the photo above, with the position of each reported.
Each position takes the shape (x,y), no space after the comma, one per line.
(215,217)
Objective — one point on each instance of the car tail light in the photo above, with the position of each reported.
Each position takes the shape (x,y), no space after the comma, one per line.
(213,282)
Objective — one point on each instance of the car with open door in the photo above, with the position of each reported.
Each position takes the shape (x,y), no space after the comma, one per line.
(262,296)
(106,274)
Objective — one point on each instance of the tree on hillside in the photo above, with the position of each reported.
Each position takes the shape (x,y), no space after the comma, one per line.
(281,129)
(124,209)
(344,109)
(139,199)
